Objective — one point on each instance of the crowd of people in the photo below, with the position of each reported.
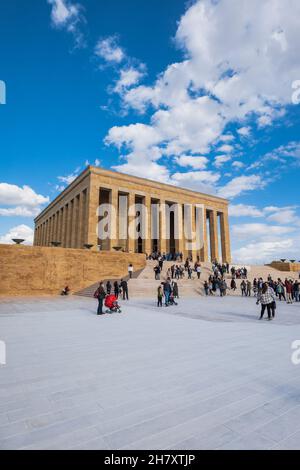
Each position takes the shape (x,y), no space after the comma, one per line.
(221,280)
(109,294)
(178,271)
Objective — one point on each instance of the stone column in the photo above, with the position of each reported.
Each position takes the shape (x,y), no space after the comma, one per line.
(80,221)
(204,250)
(57,226)
(36,235)
(66,220)
(51,229)
(68,225)
(179,229)
(58,216)
(74,234)
(195,251)
(114,201)
(91,233)
(147,222)
(213,232)
(44,233)
(225,238)
(62,226)
(131,217)
(162,227)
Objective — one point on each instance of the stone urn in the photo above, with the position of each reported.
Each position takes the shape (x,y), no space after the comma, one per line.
(55,243)
(283,260)
(292,260)
(18,241)
(117,248)
(88,246)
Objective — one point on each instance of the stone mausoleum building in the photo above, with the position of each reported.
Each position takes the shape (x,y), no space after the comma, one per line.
(73,219)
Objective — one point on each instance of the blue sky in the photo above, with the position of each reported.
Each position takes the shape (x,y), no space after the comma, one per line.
(197,94)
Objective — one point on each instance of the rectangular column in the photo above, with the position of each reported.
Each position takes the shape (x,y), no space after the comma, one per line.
(225,238)
(213,232)
(56,233)
(114,201)
(51,230)
(66,221)
(44,233)
(123,221)
(80,221)
(147,222)
(64,225)
(204,249)
(74,234)
(68,225)
(91,234)
(47,232)
(55,226)
(131,218)
(162,227)
(195,250)
(179,232)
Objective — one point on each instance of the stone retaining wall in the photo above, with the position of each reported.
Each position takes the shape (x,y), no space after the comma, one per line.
(35,270)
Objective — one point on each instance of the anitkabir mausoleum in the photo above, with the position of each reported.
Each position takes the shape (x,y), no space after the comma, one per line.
(167,218)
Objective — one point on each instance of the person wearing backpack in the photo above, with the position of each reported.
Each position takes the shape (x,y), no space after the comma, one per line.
(100,295)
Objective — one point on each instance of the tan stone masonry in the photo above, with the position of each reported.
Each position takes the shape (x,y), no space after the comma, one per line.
(72,218)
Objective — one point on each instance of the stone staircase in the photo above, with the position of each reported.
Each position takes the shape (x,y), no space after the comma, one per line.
(144,284)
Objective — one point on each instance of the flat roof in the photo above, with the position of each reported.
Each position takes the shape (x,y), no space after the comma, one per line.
(130,178)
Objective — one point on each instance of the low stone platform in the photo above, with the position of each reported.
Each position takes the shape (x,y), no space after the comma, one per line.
(203,375)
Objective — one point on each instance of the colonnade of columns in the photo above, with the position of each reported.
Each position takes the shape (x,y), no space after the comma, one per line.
(160,241)
(66,225)
(77,222)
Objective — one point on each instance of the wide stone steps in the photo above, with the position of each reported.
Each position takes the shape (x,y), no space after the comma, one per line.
(144,284)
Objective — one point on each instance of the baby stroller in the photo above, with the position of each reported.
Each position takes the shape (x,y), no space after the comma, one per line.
(111,302)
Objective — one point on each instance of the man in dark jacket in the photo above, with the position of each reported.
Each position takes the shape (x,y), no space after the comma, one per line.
(100,295)
(124,287)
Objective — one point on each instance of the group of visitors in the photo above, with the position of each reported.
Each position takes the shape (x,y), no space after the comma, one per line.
(156,255)
(214,283)
(239,273)
(178,271)
(169,291)
(288,290)
(111,292)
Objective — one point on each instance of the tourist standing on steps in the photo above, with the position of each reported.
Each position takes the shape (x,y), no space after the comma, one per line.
(248,288)
(206,288)
(116,289)
(156,270)
(124,287)
(160,262)
(243,288)
(108,287)
(130,271)
(167,292)
(233,285)
(100,295)
(160,295)
(175,289)
(289,291)
(198,270)
(280,290)
(266,297)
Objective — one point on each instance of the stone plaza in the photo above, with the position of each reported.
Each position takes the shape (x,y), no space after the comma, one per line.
(203,375)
